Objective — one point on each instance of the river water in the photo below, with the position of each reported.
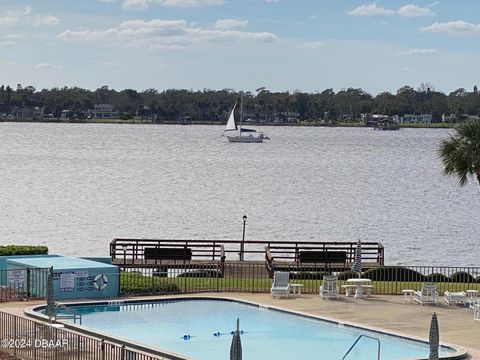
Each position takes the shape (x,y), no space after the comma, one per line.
(74,187)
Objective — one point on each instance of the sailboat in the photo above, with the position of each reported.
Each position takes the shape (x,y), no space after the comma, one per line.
(235,133)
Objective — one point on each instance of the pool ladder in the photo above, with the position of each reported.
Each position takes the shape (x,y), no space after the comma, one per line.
(70,314)
(358,339)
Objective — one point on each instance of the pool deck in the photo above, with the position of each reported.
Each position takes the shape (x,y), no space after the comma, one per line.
(381,312)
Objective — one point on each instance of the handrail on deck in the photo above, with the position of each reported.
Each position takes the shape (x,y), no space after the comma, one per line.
(214,250)
(358,339)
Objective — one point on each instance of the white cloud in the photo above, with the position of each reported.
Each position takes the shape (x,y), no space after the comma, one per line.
(458,27)
(189,3)
(47,66)
(25,16)
(12,37)
(371,10)
(411,10)
(419,52)
(7,42)
(10,19)
(312,45)
(160,33)
(226,24)
(136,5)
(46,20)
(141,5)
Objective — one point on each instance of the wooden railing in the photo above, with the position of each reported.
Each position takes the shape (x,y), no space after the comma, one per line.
(132,251)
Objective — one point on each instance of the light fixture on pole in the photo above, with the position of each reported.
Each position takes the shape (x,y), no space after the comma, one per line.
(243,238)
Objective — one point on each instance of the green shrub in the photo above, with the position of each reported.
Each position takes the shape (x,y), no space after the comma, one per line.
(437,278)
(8,250)
(462,277)
(138,284)
(159,288)
(202,274)
(308,275)
(347,275)
(393,273)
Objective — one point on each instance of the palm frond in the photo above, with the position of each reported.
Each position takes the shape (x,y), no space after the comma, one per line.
(460,153)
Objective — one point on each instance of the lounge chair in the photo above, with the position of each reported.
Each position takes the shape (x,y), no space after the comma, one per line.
(427,295)
(472,298)
(455,298)
(329,287)
(281,284)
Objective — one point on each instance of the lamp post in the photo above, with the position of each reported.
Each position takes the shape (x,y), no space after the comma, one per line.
(124,248)
(243,238)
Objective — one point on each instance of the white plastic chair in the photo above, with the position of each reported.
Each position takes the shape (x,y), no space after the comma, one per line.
(427,295)
(329,287)
(455,297)
(281,284)
(472,298)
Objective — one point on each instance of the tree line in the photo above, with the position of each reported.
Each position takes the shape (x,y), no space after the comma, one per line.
(261,104)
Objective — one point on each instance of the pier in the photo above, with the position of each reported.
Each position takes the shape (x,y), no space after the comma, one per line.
(228,257)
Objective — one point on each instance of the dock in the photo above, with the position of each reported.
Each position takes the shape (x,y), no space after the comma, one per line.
(231,258)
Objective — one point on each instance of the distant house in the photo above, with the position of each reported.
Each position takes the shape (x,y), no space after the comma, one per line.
(413,119)
(286,117)
(143,113)
(104,111)
(65,115)
(29,113)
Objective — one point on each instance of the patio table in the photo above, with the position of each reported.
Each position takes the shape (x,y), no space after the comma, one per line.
(359,282)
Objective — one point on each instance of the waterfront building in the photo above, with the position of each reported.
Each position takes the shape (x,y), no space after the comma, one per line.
(413,119)
(28,113)
(104,111)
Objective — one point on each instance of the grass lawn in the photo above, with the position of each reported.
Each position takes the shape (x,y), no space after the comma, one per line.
(135,283)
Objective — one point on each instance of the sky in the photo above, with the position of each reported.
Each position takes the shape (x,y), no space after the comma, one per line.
(282,45)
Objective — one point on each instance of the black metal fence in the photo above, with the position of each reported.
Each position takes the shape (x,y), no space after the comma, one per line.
(254,277)
(33,340)
(23,284)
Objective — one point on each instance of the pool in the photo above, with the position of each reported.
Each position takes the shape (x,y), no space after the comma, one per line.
(201,329)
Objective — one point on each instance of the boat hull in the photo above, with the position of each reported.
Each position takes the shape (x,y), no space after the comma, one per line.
(245,139)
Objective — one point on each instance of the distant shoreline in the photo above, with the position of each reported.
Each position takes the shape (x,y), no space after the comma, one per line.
(167,122)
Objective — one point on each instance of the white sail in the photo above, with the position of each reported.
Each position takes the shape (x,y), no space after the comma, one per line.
(234,132)
(231,124)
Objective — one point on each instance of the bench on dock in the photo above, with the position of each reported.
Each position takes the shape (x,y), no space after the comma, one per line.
(323,257)
(179,253)
(180,258)
(308,261)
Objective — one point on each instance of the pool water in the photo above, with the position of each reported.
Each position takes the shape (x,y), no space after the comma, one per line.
(267,334)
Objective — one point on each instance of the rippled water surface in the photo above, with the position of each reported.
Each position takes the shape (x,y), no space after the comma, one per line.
(74,187)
